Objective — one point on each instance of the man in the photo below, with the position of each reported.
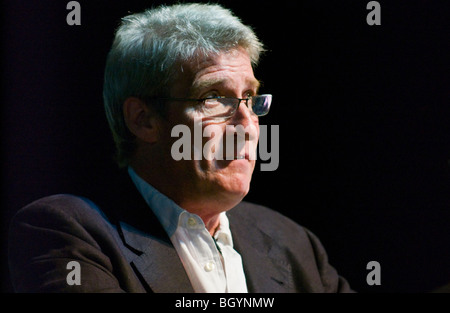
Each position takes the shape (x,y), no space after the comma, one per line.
(171,224)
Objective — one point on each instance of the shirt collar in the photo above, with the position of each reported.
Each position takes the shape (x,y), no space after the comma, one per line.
(167,211)
(171,215)
(223,233)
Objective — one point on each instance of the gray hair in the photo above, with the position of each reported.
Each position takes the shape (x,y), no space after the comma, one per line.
(147,48)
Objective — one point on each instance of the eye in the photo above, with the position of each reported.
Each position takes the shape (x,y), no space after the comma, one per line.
(248,94)
(211,100)
(211,94)
(210,103)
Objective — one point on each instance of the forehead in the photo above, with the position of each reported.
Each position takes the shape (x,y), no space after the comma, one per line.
(231,70)
(226,81)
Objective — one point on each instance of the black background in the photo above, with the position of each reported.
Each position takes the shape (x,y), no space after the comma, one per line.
(363,114)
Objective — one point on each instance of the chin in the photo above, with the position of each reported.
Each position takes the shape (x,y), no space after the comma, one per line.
(228,184)
(238,177)
(237,188)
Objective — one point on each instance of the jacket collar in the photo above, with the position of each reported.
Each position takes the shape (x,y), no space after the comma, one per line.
(265,265)
(156,261)
(147,246)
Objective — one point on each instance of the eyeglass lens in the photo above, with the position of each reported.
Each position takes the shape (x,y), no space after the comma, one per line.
(260,105)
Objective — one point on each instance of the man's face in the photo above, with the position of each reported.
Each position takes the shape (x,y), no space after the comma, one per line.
(223,179)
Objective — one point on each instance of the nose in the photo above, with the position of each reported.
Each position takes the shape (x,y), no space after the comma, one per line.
(244,124)
(244,116)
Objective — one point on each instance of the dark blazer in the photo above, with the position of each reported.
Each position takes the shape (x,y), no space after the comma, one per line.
(122,247)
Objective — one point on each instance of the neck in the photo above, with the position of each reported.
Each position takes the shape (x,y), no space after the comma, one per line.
(208,208)
(208,211)
(212,224)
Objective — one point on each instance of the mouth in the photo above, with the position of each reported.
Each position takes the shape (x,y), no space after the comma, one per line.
(243,159)
(236,157)
(239,156)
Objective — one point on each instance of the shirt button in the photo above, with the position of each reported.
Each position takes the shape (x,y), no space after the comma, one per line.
(191,222)
(209,266)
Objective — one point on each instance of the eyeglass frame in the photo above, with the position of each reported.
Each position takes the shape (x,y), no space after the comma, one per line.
(235,107)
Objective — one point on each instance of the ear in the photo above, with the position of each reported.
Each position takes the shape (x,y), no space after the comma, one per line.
(141,120)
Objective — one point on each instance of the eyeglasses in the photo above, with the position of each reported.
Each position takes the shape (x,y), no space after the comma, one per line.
(224,107)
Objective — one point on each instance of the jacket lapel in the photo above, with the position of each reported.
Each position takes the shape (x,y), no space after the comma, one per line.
(156,262)
(265,266)
(147,246)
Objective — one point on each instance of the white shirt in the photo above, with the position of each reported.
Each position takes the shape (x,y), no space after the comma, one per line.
(210,268)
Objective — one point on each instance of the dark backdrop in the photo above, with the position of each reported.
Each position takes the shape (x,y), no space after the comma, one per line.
(363,114)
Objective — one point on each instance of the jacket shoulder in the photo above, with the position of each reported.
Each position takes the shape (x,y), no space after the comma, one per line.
(60,208)
(297,245)
(52,231)
(266,219)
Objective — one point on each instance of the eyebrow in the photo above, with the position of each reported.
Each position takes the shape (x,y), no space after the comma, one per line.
(198,86)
